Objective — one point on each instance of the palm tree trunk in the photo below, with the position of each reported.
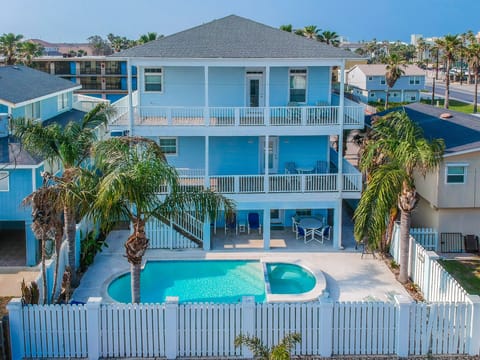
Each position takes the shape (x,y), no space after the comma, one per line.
(70,231)
(44,271)
(386,99)
(404,245)
(135,282)
(447,85)
(58,243)
(475,94)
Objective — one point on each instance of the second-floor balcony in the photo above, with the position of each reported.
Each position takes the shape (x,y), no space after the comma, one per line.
(353,116)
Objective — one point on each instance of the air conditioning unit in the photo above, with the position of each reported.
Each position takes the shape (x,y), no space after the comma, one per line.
(115,133)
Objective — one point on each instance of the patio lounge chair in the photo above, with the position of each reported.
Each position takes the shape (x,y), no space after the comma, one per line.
(231,223)
(471,243)
(290,168)
(254,222)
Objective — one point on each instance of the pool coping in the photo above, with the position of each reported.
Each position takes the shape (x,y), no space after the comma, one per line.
(318,291)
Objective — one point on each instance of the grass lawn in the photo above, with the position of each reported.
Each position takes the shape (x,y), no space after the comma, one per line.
(452,104)
(466,272)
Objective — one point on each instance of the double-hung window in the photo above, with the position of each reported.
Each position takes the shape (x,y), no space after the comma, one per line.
(456,173)
(32,111)
(153,78)
(62,101)
(298,85)
(414,80)
(168,145)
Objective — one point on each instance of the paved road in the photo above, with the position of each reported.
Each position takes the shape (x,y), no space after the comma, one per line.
(457,92)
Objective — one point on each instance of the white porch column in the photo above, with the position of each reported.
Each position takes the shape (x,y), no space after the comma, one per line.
(266,228)
(130,99)
(402,97)
(341,111)
(337,225)
(206,112)
(265,179)
(207,234)
(139,85)
(267,95)
(207,156)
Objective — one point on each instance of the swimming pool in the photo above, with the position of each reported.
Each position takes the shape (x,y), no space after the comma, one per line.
(219,281)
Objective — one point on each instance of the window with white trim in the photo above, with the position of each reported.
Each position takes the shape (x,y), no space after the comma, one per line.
(153,79)
(62,101)
(4,181)
(372,94)
(456,173)
(298,85)
(382,81)
(414,80)
(32,111)
(370,78)
(168,145)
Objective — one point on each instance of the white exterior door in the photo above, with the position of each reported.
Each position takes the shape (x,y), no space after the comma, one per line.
(272,155)
(255,90)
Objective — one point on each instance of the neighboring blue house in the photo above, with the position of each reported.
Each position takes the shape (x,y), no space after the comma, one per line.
(32,94)
(368,83)
(247,110)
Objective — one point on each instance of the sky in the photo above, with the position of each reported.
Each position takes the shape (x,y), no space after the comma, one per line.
(75,21)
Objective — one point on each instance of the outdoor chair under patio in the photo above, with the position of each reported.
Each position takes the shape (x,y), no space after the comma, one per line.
(254,222)
(231,223)
(306,235)
(324,233)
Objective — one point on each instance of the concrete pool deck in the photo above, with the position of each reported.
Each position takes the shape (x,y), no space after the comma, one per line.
(348,276)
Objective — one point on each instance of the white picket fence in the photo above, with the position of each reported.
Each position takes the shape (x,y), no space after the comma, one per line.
(174,330)
(163,236)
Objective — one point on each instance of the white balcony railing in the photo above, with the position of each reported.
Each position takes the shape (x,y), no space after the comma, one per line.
(252,184)
(238,116)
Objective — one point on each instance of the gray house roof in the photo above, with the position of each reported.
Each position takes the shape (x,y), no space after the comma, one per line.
(21,83)
(461,132)
(380,69)
(234,37)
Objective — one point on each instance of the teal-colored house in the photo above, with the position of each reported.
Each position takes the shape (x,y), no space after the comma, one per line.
(29,93)
(247,110)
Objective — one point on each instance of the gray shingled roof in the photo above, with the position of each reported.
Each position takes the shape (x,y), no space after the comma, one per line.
(234,37)
(461,132)
(21,83)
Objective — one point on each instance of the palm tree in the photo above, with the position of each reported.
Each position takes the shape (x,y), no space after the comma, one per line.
(262,352)
(9,47)
(393,72)
(329,37)
(150,36)
(396,152)
(134,169)
(287,28)
(473,58)
(70,146)
(449,45)
(310,32)
(30,50)
(46,224)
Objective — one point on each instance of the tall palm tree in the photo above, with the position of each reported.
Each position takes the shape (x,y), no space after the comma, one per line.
(9,47)
(150,36)
(70,146)
(310,32)
(473,59)
(394,70)
(260,351)
(449,45)
(397,151)
(30,50)
(329,37)
(133,170)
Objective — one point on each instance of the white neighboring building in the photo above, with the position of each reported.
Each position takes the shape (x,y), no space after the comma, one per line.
(368,83)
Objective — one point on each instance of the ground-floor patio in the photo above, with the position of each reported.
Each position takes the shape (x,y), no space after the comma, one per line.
(349,276)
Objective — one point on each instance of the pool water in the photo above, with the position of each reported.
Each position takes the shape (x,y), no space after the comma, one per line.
(220,281)
(289,279)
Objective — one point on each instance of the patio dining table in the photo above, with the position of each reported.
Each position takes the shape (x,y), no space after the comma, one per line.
(311,223)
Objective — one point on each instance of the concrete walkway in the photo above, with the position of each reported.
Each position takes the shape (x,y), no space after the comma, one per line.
(11,279)
(349,277)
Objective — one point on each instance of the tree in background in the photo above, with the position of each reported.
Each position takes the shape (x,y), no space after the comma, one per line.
(30,50)
(150,36)
(119,43)
(450,46)
(10,47)
(310,32)
(329,38)
(99,45)
(287,28)
(393,72)
(473,59)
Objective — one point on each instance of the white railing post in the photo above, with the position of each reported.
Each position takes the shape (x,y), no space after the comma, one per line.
(430,258)
(171,338)
(236,184)
(169,116)
(303,113)
(474,334)
(248,322)
(326,327)
(93,327)
(266,114)
(237,116)
(403,325)
(15,317)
